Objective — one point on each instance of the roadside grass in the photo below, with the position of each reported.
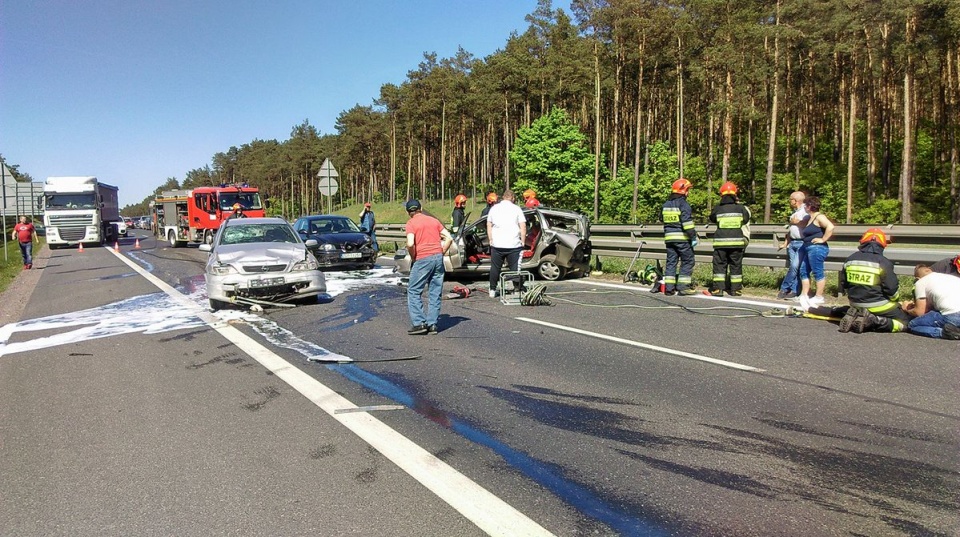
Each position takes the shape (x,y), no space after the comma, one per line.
(11,263)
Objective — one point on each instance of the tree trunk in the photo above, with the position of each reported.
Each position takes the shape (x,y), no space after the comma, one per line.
(772,141)
(596,133)
(906,172)
(852,147)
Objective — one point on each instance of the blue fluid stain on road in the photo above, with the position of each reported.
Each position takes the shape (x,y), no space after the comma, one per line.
(547,475)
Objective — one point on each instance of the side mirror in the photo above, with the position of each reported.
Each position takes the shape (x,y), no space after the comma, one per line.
(311,243)
(206,248)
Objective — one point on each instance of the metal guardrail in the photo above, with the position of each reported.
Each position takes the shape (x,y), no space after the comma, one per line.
(911,244)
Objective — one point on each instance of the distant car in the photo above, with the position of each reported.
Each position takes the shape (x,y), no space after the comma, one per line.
(144,222)
(260,261)
(121,227)
(340,242)
(128,222)
(557,245)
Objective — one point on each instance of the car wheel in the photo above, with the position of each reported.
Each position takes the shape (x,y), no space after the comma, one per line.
(217,305)
(208,237)
(172,238)
(368,266)
(549,269)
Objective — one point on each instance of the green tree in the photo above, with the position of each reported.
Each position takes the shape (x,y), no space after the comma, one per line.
(551,157)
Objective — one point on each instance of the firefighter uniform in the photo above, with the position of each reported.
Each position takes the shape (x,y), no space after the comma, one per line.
(679,237)
(729,243)
(872,285)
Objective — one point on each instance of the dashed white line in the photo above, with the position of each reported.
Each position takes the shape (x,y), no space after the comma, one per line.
(665,350)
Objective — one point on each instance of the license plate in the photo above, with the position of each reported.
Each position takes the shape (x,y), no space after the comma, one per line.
(266,282)
(352,255)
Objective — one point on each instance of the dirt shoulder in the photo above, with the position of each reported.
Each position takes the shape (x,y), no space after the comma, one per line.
(14,299)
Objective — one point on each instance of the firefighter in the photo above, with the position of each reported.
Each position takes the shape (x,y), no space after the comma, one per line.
(872,287)
(237,212)
(729,242)
(459,203)
(492,200)
(530,198)
(680,237)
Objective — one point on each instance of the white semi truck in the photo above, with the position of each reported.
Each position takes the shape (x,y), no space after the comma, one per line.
(80,210)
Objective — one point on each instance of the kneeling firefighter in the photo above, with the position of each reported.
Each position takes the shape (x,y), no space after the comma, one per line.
(872,287)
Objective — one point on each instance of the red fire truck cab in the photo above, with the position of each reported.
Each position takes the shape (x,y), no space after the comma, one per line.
(184,216)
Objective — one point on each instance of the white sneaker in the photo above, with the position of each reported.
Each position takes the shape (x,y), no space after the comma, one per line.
(805,302)
(816,301)
(493,293)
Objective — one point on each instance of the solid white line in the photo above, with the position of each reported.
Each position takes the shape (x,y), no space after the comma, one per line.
(701,296)
(632,343)
(491,514)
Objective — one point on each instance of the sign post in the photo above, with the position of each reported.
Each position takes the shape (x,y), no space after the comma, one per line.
(328,182)
(3,184)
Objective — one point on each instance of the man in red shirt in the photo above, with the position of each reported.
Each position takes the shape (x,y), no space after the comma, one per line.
(26,234)
(427,241)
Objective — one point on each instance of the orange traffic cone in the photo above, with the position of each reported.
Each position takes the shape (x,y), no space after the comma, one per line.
(81,248)
(136,245)
(116,246)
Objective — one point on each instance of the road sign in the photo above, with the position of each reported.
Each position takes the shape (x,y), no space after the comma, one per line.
(328,184)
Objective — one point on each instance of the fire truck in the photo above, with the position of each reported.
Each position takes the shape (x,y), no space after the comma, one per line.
(185,216)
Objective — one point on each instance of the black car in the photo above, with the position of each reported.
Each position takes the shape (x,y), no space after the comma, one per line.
(340,242)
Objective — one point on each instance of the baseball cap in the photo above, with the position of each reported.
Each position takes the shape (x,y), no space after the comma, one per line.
(413,205)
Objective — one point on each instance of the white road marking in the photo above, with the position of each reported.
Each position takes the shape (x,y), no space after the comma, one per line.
(665,350)
(778,304)
(491,514)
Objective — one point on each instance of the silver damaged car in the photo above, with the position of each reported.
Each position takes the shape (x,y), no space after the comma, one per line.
(260,261)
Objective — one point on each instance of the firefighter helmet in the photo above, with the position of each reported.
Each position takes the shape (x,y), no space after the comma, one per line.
(492,198)
(529,194)
(876,235)
(532,202)
(681,186)
(956,262)
(460,200)
(728,188)
(237,207)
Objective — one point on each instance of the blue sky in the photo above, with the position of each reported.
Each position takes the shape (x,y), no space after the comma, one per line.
(136,91)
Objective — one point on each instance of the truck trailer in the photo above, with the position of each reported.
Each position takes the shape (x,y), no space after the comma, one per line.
(79,210)
(194,216)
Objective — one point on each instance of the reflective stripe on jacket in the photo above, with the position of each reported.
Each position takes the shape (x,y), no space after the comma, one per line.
(677,217)
(869,279)
(730,217)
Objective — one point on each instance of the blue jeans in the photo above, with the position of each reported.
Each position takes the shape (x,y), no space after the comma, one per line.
(812,258)
(931,323)
(791,282)
(426,272)
(26,250)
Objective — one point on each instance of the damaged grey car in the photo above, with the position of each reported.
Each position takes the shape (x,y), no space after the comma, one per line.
(557,245)
(261,261)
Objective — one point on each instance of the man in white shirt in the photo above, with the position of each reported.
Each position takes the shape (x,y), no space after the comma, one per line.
(937,305)
(506,230)
(790,287)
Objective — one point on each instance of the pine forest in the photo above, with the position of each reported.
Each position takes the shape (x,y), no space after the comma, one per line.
(601,106)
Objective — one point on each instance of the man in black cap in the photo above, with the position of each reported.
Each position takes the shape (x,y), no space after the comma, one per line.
(427,241)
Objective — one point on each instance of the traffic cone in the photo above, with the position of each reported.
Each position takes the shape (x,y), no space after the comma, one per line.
(81,248)
(116,246)
(136,245)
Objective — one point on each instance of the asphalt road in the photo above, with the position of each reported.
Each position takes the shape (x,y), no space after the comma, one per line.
(611,412)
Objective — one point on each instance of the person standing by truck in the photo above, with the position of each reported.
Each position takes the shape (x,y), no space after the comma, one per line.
(26,235)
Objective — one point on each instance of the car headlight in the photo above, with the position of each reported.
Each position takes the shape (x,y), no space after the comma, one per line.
(222,270)
(328,247)
(307,264)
